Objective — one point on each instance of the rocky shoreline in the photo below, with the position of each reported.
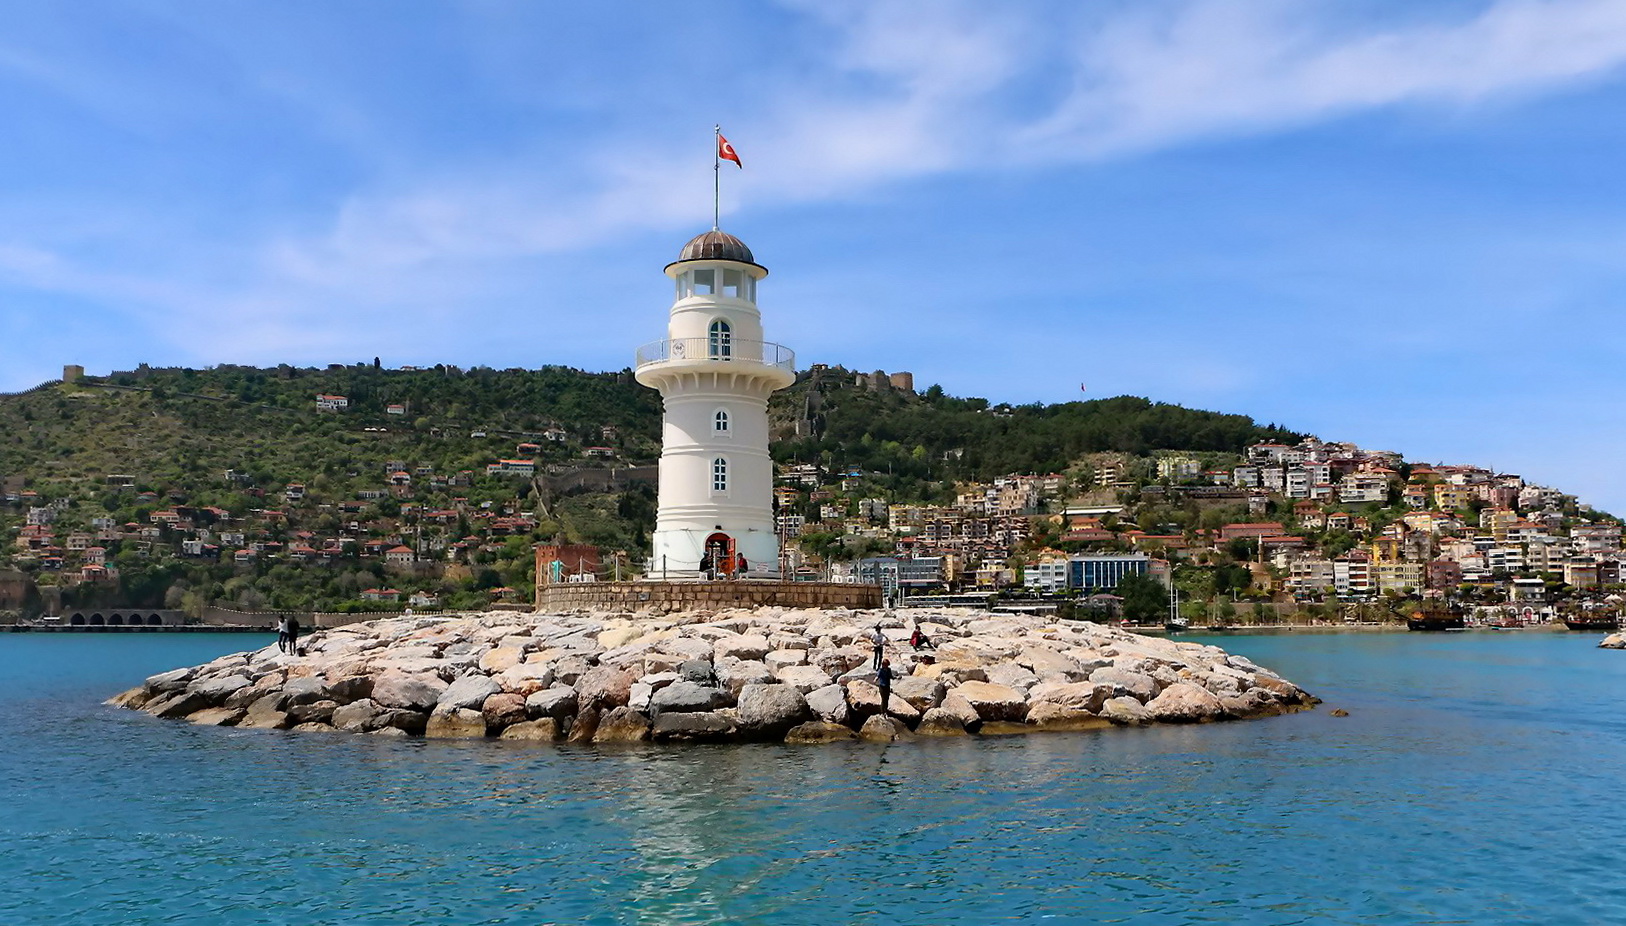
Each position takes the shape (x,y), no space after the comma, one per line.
(1613,641)
(770,674)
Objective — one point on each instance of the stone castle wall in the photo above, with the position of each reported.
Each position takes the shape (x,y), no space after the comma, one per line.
(708,596)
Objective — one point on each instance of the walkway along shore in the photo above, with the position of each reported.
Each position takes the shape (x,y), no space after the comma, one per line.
(769,674)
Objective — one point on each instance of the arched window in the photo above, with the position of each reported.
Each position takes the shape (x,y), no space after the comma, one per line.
(719,475)
(719,422)
(721,340)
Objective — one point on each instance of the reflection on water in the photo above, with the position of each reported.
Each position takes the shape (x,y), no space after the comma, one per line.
(1475,781)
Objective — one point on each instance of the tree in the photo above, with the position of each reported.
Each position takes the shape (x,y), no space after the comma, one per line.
(1145,599)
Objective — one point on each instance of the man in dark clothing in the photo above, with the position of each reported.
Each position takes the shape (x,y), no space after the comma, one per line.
(883,681)
(293,635)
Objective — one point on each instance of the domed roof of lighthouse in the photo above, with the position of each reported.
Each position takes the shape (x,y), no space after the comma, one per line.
(716,245)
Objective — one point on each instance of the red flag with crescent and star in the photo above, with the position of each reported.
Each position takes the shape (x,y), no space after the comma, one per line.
(726,151)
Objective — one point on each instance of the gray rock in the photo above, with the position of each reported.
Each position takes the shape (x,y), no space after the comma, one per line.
(177,704)
(1184,702)
(735,674)
(216,716)
(686,697)
(355,717)
(217,690)
(1011,675)
(418,691)
(692,727)
(830,704)
(748,647)
(803,678)
(922,693)
(622,725)
(456,723)
(1141,687)
(171,681)
(992,701)
(699,671)
(469,692)
(1085,696)
(880,729)
(770,710)
(818,731)
(940,722)
(545,729)
(503,709)
(313,712)
(1048,715)
(1125,709)
(306,690)
(605,687)
(557,703)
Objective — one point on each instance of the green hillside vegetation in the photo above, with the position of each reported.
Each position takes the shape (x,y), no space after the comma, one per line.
(234,438)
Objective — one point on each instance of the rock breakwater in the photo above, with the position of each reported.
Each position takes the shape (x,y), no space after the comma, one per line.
(771,674)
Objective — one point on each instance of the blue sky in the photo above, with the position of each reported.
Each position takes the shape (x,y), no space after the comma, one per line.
(1399,224)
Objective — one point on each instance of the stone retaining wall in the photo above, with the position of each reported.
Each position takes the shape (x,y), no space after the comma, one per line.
(703,596)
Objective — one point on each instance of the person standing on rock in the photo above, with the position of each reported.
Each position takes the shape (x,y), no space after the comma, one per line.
(293,635)
(883,681)
(282,634)
(878,639)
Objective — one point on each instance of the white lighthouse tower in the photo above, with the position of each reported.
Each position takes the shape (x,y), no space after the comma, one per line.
(715,373)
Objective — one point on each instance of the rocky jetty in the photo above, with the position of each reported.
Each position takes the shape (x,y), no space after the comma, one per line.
(1613,641)
(797,676)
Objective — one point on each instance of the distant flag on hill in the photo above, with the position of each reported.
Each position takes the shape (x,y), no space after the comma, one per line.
(726,152)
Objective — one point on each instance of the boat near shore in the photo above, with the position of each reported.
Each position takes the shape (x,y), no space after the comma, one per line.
(1593,622)
(1436,620)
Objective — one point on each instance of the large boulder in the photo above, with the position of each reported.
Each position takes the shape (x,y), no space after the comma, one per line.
(605,687)
(1125,710)
(747,647)
(355,717)
(1047,715)
(545,729)
(922,693)
(1011,675)
(881,729)
(556,702)
(313,712)
(216,690)
(993,702)
(803,678)
(699,671)
(1184,702)
(169,682)
(525,678)
(768,711)
(685,697)
(735,674)
(1613,641)
(1139,686)
(830,704)
(177,704)
(503,709)
(962,710)
(940,722)
(417,691)
(1050,664)
(470,691)
(1084,696)
(266,714)
(818,731)
(692,727)
(216,716)
(622,725)
(456,723)
(781,659)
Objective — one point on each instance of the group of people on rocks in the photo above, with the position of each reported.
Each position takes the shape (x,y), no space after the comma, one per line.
(288,635)
(883,665)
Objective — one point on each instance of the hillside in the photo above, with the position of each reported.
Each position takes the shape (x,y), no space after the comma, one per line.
(167,472)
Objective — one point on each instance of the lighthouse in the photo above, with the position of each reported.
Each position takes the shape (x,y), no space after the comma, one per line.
(715,372)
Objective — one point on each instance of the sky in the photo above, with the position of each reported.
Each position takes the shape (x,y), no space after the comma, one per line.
(1398,224)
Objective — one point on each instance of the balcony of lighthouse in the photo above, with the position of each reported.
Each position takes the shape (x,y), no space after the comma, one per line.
(672,359)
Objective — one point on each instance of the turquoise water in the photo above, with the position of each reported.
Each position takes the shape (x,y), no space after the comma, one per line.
(1476,780)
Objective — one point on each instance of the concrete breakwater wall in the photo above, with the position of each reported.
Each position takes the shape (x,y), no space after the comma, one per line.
(647,595)
(765,674)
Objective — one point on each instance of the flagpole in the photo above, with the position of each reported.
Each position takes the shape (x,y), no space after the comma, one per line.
(716,177)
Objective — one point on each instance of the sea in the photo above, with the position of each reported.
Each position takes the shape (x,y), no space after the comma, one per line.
(1477,778)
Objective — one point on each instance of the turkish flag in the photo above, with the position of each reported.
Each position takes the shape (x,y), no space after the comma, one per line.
(726,151)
